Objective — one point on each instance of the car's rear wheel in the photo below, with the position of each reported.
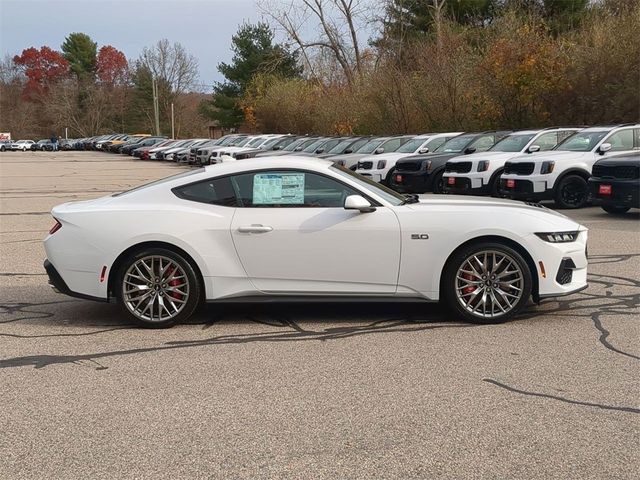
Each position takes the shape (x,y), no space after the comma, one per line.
(487,283)
(615,209)
(158,288)
(571,192)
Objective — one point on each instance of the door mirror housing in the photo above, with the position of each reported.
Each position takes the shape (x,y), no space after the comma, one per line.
(533,148)
(604,148)
(357,202)
(348,150)
(320,150)
(379,150)
(469,150)
(424,150)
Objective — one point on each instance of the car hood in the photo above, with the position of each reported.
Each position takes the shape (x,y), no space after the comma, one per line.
(384,156)
(487,204)
(550,155)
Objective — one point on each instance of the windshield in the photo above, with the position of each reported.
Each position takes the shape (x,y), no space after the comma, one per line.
(456,144)
(295,144)
(254,142)
(512,143)
(371,145)
(394,198)
(412,146)
(582,141)
(314,146)
(341,146)
(270,143)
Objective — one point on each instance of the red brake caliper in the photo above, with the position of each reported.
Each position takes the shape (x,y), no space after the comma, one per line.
(174,283)
(470,288)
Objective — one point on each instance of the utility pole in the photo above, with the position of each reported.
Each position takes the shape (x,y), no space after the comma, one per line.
(173,131)
(66,133)
(156,110)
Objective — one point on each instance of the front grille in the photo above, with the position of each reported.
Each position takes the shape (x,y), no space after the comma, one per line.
(365,165)
(407,166)
(458,167)
(520,168)
(616,171)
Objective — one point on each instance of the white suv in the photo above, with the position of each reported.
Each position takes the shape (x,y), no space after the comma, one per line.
(23,145)
(380,167)
(479,173)
(561,174)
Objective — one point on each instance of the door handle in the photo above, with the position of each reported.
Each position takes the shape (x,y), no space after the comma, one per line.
(255,229)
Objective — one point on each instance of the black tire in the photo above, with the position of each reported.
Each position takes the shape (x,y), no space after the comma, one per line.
(438,183)
(2,148)
(387,179)
(494,184)
(193,295)
(615,209)
(450,283)
(571,192)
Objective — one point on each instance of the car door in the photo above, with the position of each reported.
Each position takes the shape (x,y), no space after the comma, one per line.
(293,235)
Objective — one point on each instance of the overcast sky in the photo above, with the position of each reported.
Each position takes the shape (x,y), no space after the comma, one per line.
(204,27)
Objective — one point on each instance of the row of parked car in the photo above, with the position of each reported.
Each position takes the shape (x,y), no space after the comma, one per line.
(543,164)
(31,145)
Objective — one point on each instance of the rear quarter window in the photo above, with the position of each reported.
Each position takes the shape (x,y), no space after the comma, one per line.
(213,191)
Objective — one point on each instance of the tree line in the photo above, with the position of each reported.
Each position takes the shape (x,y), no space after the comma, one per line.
(85,90)
(351,67)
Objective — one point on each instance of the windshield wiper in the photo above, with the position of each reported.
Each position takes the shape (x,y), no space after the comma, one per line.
(410,198)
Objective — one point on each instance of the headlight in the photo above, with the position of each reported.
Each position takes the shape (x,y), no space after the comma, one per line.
(483,165)
(428,166)
(381,164)
(547,167)
(559,237)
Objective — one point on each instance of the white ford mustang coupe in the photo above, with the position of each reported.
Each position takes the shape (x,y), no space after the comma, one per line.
(292,228)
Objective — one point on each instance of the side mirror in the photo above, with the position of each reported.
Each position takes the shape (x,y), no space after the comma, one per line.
(604,148)
(379,150)
(320,150)
(469,150)
(424,150)
(348,150)
(533,148)
(277,147)
(356,202)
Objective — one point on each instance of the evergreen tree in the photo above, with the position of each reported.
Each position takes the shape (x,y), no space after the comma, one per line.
(254,52)
(80,51)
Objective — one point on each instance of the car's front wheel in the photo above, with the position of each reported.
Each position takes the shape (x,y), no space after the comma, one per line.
(487,283)
(158,288)
(571,192)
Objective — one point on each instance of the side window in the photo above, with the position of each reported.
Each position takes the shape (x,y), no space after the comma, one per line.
(483,144)
(433,144)
(621,141)
(289,189)
(636,138)
(546,141)
(216,191)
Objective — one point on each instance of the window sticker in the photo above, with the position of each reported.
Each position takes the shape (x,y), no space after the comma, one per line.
(278,189)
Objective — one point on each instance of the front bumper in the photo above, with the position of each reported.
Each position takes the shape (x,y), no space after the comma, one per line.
(411,182)
(464,184)
(58,284)
(529,188)
(625,193)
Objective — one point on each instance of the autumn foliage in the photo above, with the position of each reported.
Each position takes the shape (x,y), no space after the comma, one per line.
(111,65)
(41,67)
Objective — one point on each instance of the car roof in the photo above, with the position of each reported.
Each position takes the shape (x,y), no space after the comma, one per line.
(267,162)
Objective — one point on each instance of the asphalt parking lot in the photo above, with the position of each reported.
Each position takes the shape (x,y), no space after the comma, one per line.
(306,391)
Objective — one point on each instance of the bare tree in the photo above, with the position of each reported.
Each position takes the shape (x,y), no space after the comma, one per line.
(338,23)
(171,64)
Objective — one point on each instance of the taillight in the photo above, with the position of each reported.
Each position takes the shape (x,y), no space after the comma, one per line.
(56,227)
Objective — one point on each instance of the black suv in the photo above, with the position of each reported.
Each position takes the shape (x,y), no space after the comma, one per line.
(615,183)
(423,173)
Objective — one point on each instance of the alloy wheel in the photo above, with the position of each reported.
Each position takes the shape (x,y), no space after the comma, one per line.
(155,288)
(573,194)
(489,284)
